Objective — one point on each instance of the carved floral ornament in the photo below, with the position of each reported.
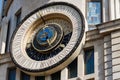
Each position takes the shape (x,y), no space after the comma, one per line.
(48,39)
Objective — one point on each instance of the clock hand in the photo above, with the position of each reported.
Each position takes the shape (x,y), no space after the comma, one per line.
(49,42)
(42,19)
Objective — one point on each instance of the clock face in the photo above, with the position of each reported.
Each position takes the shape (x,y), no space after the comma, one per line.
(48,39)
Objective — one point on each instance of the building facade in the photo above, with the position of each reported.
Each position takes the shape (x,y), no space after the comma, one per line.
(60,40)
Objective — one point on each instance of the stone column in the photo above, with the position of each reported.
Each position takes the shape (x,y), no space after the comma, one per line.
(3,35)
(117,9)
(48,77)
(80,63)
(3,72)
(107,58)
(105,9)
(99,60)
(17,74)
(64,74)
(32,77)
(115,39)
(111,9)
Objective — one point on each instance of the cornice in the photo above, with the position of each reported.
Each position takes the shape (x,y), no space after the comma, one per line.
(108,27)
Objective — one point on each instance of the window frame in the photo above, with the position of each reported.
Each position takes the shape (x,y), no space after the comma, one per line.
(87,49)
(8,70)
(100,13)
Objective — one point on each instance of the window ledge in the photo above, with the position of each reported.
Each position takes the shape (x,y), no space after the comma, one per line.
(89,76)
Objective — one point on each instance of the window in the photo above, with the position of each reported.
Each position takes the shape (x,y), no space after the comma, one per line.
(40,78)
(56,76)
(18,17)
(89,61)
(72,69)
(3,7)
(24,76)
(11,73)
(94,12)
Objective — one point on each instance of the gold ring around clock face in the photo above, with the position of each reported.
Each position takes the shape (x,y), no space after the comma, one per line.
(47,38)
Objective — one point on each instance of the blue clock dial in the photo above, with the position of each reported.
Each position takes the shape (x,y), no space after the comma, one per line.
(45,34)
(47,38)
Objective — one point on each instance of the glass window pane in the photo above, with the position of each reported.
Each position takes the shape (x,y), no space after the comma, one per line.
(56,76)
(89,61)
(25,76)
(72,69)
(11,74)
(40,78)
(94,12)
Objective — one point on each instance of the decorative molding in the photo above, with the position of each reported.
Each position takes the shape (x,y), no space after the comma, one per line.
(5,59)
(107,27)
(93,35)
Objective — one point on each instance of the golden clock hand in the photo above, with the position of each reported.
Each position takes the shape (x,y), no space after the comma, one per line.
(49,42)
(42,19)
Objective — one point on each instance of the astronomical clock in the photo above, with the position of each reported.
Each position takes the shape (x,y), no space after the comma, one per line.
(48,39)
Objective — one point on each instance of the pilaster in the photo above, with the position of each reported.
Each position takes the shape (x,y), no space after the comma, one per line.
(115,41)
(64,74)
(107,58)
